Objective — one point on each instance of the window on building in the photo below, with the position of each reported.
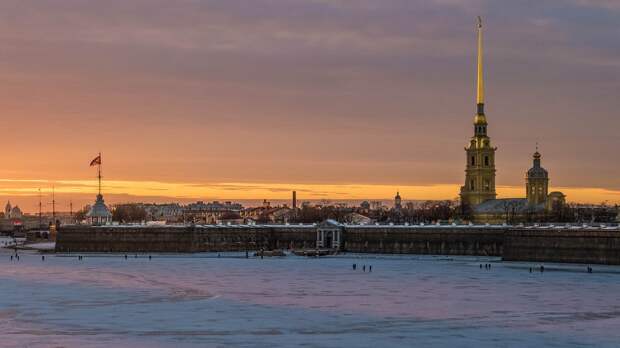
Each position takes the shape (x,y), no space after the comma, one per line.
(486,161)
(487,185)
(471,185)
(473,160)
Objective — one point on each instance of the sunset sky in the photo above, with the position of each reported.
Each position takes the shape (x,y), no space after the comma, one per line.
(337,99)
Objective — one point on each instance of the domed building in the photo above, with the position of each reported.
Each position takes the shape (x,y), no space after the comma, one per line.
(537,182)
(398,201)
(11,212)
(16,213)
(99,213)
(478,195)
(538,201)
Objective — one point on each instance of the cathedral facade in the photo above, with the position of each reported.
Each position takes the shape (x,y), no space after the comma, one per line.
(478,195)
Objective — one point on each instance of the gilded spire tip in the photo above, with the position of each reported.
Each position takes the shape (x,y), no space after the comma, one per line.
(480,78)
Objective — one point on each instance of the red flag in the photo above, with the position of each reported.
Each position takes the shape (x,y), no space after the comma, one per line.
(96,161)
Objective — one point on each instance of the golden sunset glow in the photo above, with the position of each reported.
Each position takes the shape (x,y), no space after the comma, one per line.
(25,192)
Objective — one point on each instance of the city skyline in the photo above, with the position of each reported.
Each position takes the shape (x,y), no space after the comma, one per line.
(234,110)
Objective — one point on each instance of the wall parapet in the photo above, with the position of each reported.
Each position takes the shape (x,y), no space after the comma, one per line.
(575,245)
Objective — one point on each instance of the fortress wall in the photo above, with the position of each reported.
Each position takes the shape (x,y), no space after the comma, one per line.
(293,237)
(82,238)
(241,238)
(417,240)
(565,245)
(596,246)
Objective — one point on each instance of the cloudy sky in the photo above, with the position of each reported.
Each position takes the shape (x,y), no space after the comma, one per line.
(335,98)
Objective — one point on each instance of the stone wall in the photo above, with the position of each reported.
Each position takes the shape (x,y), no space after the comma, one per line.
(424,240)
(126,239)
(375,239)
(81,238)
(513,244)
(564,245)
(241,238)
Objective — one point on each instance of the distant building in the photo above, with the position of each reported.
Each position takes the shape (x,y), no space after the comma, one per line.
(163,212)
(230,217)
(537,182)
(12,212)
(7,210)
(357,219)
(397,201)
(269,214)
(538,201)
(209,213)
(99,213)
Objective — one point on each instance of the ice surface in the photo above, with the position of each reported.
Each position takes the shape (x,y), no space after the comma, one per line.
(202,300)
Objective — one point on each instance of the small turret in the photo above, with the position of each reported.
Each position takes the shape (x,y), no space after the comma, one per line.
(537,181)
(397,201)
(7,210)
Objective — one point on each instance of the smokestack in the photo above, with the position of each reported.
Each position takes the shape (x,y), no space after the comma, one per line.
(294,199)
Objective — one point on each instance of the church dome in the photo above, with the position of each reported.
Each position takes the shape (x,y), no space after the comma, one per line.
(99,209)
(537,171)
(16,212)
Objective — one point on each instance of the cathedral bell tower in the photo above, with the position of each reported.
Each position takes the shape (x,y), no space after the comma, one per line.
(480,155)
(537,182)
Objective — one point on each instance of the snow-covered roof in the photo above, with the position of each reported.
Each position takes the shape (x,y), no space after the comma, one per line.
(510,205)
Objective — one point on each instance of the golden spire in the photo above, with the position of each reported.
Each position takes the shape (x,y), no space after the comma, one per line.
(480,89)
(480,119)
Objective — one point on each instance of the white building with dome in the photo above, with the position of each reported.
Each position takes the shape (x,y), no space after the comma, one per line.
(99,213)
(12,212)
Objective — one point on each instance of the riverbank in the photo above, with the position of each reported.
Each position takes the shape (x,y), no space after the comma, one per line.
(574,244)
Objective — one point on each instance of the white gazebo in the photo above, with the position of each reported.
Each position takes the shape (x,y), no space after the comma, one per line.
(99,213)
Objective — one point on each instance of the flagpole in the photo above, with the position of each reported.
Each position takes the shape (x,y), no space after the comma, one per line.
(99,173)
(40,215)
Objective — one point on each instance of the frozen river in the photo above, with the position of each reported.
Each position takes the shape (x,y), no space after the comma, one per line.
(205,301)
